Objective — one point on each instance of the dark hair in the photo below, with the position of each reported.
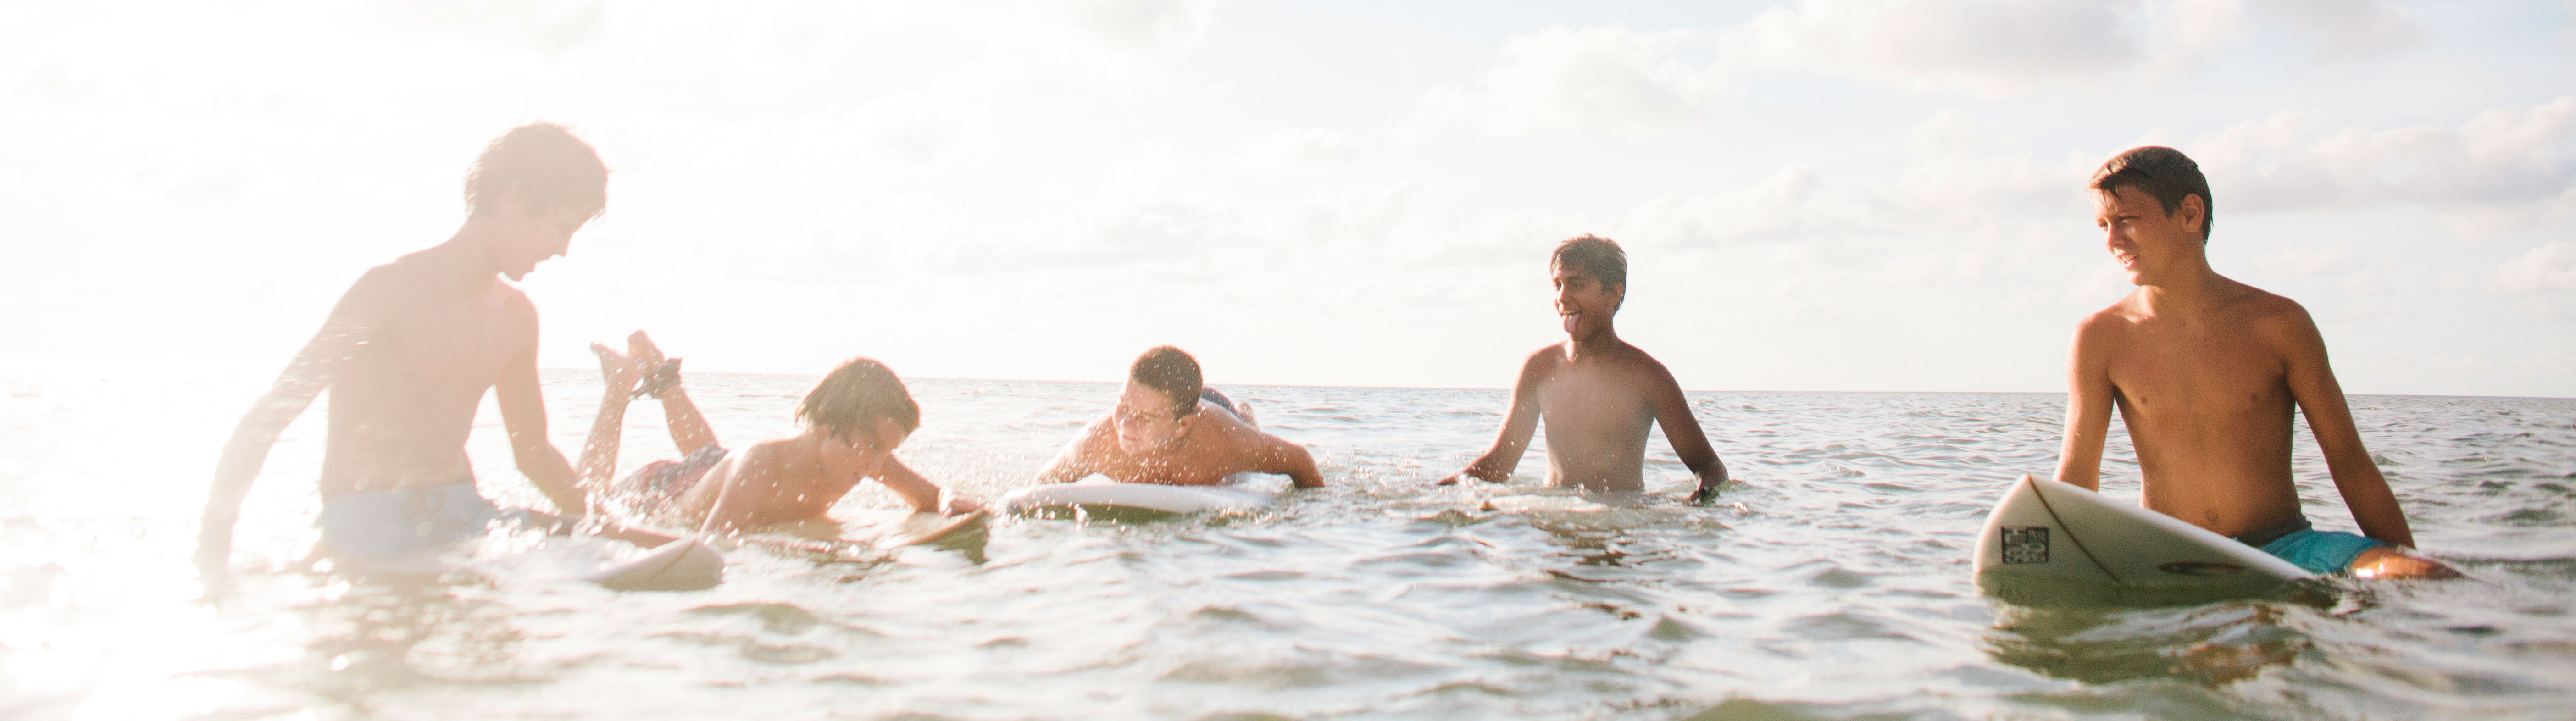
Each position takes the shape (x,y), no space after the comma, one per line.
(1172,371)
(2162,172)
(544,164)
(855,396)
(1594,255)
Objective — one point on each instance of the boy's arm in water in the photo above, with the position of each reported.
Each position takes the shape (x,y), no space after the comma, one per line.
(2089,396)
(1077,460)
(312,370)
(523,413)
(920,492)
(1681,429)
(2312,383)
(1519,424)
(1277,455)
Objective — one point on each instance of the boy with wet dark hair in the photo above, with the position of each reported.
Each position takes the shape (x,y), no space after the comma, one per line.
(408,355)
(2208,373)
(853,420)
(1596,392)
(1170,428)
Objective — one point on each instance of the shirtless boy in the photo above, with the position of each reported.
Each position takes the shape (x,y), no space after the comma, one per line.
(854,418)
(1170,428)
(1596,392)
(2207,373)
(408,354)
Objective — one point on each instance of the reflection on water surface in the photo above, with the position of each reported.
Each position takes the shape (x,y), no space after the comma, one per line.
(1835,585)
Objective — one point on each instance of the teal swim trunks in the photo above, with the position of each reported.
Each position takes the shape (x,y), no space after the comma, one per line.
(2317,551)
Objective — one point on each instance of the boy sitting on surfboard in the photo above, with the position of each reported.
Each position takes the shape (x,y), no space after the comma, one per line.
(1170,428)
(408,355)
(2207,372)
(1596,392)
(854,419)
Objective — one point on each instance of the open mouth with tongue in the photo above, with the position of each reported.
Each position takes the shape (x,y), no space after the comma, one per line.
(1570,319)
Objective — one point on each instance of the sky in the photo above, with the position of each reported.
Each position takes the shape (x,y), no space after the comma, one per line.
(1830,195)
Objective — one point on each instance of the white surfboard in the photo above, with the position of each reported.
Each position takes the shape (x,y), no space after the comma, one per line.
(2050,531)
(687,564)
(1241,492)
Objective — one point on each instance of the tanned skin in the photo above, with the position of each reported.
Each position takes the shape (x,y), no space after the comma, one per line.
(407,355)
(2207,372)
(785,480)
(1147,439)
(1598,394)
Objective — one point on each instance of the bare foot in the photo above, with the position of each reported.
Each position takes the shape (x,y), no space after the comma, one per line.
(2394,562)
(619,370)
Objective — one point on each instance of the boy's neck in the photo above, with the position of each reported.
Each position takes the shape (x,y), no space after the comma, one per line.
(466,257)
(1600,343)
(2194,289)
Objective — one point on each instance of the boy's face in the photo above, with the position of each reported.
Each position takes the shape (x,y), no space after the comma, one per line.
(2148,242)
(862,453)
(532,237)
(1146,420)
(1583,304)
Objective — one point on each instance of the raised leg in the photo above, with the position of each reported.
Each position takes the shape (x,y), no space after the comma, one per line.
(689,429)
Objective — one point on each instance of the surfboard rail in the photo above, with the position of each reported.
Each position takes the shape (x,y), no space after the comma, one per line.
(1242,492)
(2044,529)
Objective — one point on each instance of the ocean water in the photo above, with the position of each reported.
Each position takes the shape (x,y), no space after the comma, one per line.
(1835,584)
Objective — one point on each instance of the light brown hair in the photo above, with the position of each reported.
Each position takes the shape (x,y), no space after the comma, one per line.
(2162,173)
(855,396)
(544,165)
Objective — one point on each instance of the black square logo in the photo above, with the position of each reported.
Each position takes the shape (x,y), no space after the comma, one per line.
(2025,544)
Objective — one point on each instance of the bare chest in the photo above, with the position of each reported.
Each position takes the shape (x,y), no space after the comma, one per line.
(438,347)
(1601,400)
(2206,372)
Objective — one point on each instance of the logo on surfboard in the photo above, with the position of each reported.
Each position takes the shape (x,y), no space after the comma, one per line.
(2200,568)
(2025,544)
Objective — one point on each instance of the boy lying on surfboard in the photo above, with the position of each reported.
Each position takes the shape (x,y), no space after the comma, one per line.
(1597,393)
(1170,428)
(408,355)
(2207,373)
(853,421)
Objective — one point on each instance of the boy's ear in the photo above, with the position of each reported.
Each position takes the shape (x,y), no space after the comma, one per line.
(2194,213)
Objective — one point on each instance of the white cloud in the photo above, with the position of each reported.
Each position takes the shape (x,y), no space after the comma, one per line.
(1596,79)
(2348,29)
(2369,281)
(1143,24)
(2546,268)
(2505,168)
(1294,149)
(1983,47)
(2302,260)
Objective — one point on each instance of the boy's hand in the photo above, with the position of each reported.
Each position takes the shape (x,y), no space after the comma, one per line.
(1707,492)
(1461,475)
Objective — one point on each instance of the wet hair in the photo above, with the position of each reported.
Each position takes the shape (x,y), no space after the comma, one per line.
(1172,371)
(2161,172)
(855,396)
(544,165)
(1596,256)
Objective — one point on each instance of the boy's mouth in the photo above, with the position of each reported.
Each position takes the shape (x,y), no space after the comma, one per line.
(1570,319)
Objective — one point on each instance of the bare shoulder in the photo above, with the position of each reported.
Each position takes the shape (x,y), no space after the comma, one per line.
(1646,368)
(2266,310)
(2113,319)
(1545,358)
